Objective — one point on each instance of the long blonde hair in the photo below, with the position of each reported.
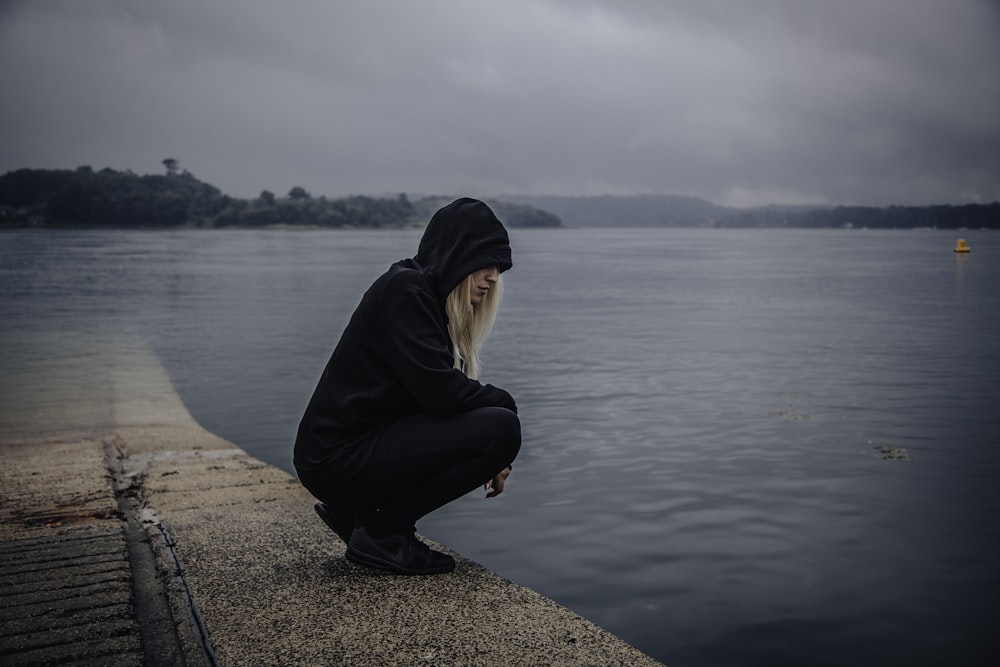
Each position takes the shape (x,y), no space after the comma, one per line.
(469,325)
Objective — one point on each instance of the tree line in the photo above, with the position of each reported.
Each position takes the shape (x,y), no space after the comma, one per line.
(966,216)
(107,198)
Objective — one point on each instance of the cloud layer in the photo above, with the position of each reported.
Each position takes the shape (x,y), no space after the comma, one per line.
(789,101)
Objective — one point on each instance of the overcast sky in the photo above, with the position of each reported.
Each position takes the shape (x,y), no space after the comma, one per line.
(742,102)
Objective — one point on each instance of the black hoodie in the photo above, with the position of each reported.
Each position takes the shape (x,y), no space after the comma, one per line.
(394,359)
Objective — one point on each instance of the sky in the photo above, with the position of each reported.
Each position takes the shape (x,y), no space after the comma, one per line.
(741,102)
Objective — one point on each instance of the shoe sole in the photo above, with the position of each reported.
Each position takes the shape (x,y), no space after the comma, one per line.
(379,564)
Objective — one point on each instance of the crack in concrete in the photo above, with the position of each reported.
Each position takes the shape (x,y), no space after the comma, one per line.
(160,644)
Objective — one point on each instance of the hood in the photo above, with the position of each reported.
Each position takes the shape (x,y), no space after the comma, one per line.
(461,238)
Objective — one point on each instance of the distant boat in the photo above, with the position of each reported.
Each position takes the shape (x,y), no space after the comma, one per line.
(960,246)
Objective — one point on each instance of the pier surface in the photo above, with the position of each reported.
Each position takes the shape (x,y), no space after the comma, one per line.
(130,535)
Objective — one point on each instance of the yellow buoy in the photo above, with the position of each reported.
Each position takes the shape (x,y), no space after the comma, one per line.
(961,247)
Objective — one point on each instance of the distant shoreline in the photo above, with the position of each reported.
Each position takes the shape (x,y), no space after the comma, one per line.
(109,199)
(84,198)
(417,228)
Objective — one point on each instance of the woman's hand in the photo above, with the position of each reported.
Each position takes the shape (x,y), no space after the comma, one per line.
(496,484)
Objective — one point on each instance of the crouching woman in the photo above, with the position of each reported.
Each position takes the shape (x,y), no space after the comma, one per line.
(399,425)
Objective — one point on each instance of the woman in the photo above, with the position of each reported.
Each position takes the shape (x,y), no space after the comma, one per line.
(399,425)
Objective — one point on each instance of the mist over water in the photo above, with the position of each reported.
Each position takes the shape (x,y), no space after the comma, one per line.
(740,446)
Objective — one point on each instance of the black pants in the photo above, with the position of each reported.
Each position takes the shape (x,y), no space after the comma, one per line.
(421,463)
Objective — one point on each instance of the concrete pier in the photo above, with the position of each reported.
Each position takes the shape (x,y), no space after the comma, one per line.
(130,535)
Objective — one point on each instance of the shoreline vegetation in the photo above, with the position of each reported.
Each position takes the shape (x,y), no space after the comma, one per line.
(85,198)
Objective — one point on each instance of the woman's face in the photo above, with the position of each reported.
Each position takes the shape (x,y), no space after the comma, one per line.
(483,281)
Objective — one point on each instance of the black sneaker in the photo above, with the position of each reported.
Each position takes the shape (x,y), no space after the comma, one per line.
(341,522)
(401,553)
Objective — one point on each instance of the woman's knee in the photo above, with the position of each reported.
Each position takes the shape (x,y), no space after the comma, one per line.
(504,429)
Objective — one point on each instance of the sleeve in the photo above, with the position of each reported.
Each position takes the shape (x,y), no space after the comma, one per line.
(417,349)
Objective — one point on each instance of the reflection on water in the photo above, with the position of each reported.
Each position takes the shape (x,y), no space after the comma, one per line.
(705,415)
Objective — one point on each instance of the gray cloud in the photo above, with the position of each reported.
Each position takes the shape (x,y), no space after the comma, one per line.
(877,102)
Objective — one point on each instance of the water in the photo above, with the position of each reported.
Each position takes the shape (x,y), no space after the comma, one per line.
(706,415)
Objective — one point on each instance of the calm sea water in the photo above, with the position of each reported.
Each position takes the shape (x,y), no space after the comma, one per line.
(741,447)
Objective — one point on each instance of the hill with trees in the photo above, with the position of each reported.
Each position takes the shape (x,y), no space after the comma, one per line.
(681,211)
(108,198)
(628,211)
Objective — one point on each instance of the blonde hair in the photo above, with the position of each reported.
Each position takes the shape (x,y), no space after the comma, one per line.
(469,325)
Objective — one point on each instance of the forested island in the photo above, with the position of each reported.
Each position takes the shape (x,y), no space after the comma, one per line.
(107,198)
